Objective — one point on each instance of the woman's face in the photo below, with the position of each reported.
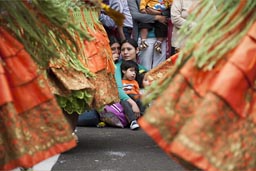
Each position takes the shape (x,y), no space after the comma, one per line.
(115,47)
(128,52)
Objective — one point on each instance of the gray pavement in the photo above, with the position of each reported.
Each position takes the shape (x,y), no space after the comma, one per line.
(115,149)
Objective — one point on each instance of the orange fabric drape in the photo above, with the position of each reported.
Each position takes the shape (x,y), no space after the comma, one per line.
(207,119)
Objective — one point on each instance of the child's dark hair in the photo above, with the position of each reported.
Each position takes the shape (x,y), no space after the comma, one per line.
(129,64)
(140,78)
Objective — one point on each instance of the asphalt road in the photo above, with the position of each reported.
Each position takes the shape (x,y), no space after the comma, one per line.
(115,149)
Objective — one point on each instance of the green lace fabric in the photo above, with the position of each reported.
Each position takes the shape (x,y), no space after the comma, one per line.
(76,102)
(48,33)
(79,99)
(43,27)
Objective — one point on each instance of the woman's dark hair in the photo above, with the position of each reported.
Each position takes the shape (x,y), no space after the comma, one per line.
(129,64)
(112,40)
(140,78)
(130,41)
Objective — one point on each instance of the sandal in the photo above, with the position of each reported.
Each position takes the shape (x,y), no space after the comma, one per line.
(157,47)
(143,45)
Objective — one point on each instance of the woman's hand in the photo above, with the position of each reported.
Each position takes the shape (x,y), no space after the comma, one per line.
(115,56)
(152,11)
(161,19)
(135,107)
(143,11)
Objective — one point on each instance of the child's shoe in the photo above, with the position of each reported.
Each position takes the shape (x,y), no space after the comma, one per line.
(143,45)
(134,125)
(157,46)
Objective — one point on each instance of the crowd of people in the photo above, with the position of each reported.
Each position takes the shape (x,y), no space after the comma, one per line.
(142,41)
(202,105)
(61,59)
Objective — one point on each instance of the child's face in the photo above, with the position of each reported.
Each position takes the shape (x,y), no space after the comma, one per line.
(146,81)
(129,74)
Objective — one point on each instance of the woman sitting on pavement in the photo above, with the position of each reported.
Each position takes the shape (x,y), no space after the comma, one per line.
(129,51)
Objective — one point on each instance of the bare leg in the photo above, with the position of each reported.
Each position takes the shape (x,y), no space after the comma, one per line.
(144,33)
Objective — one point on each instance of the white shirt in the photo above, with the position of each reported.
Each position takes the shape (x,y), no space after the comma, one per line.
(122,7)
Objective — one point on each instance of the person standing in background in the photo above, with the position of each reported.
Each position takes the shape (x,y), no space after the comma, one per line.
(125,31)
(179,14)
(148,58)
(108,23)
(161,7)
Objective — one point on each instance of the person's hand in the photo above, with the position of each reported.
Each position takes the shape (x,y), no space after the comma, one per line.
(161,19)
(135,107)
(115,56)
(136,110)
(143,11)
(152,11)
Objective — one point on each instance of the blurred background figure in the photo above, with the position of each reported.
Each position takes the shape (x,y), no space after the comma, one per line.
(149,58)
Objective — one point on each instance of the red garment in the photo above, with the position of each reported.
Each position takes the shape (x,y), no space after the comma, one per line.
(208,119)
(131,87)
(32,127)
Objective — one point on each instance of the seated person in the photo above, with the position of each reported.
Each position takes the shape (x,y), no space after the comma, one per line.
(129,51)
(148,58)
(130,71)
(143,81)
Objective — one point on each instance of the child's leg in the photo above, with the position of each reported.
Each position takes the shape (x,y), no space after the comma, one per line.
(130,115)
(143,33)
(141,106)
(144,28)
(161,31)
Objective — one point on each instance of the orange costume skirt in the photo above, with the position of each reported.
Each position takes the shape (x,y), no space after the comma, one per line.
(32,127)
(96,57)
(207,120)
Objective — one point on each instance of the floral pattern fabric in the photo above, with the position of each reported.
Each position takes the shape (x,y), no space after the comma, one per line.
(208,118)
(32,127)
(95,57)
